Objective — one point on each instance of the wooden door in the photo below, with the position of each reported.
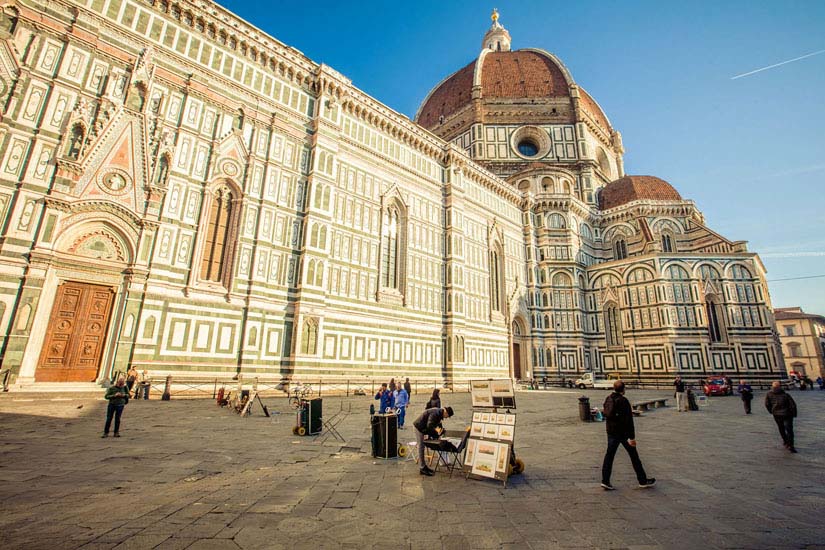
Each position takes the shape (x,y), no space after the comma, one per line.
(516,361)
(76,335)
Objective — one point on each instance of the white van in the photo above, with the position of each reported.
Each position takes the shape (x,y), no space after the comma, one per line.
(588,381)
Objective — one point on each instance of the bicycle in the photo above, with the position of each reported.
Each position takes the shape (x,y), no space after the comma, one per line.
(297,394)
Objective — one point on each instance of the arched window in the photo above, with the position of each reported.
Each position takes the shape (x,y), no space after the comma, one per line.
(548,185)
(497,278)
(619,249)
(319,274)
(667,242)
(214,265)
(309,337)
(390,248)
(714,313)
(612,326)
(556,221)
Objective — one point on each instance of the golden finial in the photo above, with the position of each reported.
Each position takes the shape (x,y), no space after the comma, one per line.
(494,17)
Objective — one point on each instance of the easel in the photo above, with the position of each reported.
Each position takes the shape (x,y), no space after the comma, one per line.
(489,453)
(331,422)
(247,408)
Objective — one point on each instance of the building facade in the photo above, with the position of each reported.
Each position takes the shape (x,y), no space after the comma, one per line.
(183,193)
(803,341)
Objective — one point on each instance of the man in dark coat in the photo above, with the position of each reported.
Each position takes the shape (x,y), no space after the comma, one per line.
(429,424)
(783,408)
(746,392)
(620,431)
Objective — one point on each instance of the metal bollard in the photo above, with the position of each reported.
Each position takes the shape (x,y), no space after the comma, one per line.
(167,390)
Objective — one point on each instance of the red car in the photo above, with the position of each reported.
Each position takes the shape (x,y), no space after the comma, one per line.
(716,385)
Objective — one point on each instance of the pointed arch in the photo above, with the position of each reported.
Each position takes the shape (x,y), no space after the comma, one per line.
(221,206)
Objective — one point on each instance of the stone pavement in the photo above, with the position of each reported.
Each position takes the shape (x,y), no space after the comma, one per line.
(187,474)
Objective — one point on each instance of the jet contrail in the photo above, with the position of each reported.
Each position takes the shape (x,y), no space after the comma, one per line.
(778,64)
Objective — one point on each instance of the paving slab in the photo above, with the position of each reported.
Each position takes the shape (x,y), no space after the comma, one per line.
(187,474)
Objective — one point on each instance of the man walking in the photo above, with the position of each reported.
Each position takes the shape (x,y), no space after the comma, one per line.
(783,408)
(429,424)
(620,431)
(746,393)
(118,396)
(681,402)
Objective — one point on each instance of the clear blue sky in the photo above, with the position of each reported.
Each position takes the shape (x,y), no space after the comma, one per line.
(749,151)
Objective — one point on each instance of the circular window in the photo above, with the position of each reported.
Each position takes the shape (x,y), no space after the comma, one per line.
(530,142)
(528,148)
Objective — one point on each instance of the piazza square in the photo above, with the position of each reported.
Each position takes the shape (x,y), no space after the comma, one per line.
(233,282)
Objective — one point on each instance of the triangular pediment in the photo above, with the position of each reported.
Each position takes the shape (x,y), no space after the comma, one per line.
(609,294)
(116,171)
(232,156)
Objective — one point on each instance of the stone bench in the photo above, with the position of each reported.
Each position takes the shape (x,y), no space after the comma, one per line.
(645,405)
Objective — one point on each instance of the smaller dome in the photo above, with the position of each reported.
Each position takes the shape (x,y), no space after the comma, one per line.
(635,188)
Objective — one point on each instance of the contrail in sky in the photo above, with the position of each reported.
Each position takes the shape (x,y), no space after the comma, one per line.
(778,64)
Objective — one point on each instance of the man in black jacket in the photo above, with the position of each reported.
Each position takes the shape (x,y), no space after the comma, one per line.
(429,424)
(783,408)
(620,431)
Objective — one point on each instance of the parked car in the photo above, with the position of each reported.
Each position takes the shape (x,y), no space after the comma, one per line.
(588,381)
(716,385)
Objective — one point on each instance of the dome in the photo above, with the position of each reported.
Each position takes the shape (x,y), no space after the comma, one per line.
(634,188)
(520,74)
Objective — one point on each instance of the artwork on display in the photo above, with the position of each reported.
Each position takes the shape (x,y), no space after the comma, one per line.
(476,417)
(477,429)
(485,417)
(484,464)
(502,458)
(500,417)
(481,393)
(502,393)
(505,432)
(510,419)
(491,431)
(470,455)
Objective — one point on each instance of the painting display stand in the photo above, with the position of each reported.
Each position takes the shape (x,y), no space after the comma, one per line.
(489,451)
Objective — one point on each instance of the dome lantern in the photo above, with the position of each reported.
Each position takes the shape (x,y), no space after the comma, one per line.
(496,38)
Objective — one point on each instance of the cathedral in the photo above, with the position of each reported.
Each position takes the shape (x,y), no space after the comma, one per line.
(183,193)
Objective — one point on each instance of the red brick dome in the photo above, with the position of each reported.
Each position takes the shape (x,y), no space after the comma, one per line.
(509,75)
(634,188)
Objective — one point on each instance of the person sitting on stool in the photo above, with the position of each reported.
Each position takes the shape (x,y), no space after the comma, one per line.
(429,424)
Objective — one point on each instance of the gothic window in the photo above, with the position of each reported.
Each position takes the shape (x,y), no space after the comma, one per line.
(789,330)
(714,312)
(667,243)
(390,251)
(216,248)
(309,336)
(496,278)
(619,249)
(612,326)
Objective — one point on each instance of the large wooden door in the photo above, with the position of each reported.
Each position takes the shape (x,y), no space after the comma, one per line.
(516,361)
(76,335)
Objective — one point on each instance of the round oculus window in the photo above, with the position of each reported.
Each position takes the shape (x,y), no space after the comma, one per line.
(530,142)
(528,148)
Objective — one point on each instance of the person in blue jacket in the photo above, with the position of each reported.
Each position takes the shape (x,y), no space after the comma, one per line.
(402,399)
(385,398)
